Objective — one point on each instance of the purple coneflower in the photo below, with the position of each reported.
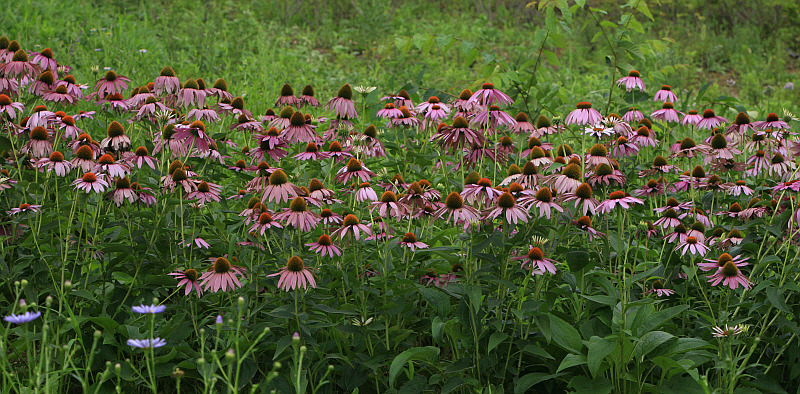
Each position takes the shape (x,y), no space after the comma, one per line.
(410,241)
(108,165)
(457,211)
(585,223)
(545,127)
(365,193)
(205,192)
(264,222)
(583,114)
(351,225)
(388,206)
(90,182)
(294,275)
(298,215)
(772,122)
(710,120)
(55,163)
(323,246)
(536,261)
(115,140)
(658,288)
(568,180)
(287,97)
(73,88)
(111,83)
(20,67)
(140,157)
(307,97)
(39,144)
(632,81)
(492,118)
(617,198)
(667,113)
(189,279)
(44,59)
(508,208)
(458,135)
(665,95)
(24,208)
(691,118)
(166,82)
(10,107)
(583,197)
(692,245)
(279,190)
(633,115)
(190,95)
(354,169)
(389,112)
(299,131)
(730,275)
(222,276)
(342,105)
(193,135)
(487,95)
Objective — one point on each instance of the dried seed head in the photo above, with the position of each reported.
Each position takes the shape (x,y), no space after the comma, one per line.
(179,175)
(298,204)
(564,150)
(454,201)
(604,170)
(719,141)
(47,77)
(308,90)
(529,169)
(123,183)
(472,178)
(297,119)
(221,265)
(388,197)
(535,254)
(506,200)
(85,153)
(167,72)
(687,143)
(572,171)
(237,103)
(544,195)
(598,150)
(278,177)
(542,122)
(39,133)
(465,94)
(345,92)
(115,129)
(514,170)
(106,159)
(742,119)
(287,90)
(484,182)
(584,191)
(460,123)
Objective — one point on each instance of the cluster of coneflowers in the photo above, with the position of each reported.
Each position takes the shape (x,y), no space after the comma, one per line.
(547,179)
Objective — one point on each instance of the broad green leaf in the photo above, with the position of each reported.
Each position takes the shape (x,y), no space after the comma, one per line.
(571,360)
(650,341)
(599,348)
(654,320)
(524,383)
(426,353)
(565,335)
(495,340)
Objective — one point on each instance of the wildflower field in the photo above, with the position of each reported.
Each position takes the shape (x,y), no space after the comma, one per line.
(370,197)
